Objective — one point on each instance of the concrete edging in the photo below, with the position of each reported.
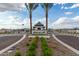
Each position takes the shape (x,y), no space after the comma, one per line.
(7,48)
(66,45)
(32,36)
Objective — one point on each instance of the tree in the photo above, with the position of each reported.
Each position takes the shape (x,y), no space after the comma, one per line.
(31,7)
(46,6)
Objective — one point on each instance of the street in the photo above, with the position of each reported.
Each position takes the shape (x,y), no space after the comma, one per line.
(6,40)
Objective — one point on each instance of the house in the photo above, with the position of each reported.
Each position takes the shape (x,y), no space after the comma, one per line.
(38,28)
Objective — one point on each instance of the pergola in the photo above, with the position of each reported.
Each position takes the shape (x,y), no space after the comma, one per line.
(32,6)
(45,26)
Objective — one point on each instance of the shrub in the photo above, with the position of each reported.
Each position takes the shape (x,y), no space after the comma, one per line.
(30,40)
(32,47)
(31,53)
(17,53)
(46,51)
(27,44)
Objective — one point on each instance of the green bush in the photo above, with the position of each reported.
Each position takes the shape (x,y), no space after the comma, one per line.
(30,40)
(46,51)
(32,47)
(27,44)
(31,53)
(17,53)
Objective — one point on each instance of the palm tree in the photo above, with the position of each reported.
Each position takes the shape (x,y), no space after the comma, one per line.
(31,7)
(46,6)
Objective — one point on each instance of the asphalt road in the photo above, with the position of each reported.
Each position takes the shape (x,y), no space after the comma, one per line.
(70,40)
(6,40)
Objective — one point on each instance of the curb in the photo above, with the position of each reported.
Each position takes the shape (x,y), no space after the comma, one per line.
(32,36)
(66,45)
(7,48)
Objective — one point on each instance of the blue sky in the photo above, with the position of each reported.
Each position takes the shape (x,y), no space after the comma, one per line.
(61,15)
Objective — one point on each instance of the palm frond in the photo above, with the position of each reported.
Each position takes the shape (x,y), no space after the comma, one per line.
(46,5)
(42,5)
(31,6)
(35,6)
(50,5)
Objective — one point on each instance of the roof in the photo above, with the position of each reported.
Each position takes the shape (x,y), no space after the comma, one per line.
(39,24)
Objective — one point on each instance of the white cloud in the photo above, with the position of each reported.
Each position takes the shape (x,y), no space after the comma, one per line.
(64,22)
(42,20)
(26,22)
(13,22)
(68,13)
(74,6)
(65,7)
(11,6)
(76,18)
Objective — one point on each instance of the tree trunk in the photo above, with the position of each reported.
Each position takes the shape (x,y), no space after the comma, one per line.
(46,20)
(30,22)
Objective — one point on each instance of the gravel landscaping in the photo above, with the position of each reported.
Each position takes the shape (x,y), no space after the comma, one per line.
(57,48)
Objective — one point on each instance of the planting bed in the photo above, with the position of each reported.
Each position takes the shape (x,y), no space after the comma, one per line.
(32,47)
(59,49)
(41,47)
(45,49)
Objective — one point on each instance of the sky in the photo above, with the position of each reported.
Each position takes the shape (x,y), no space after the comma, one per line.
(61,15)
